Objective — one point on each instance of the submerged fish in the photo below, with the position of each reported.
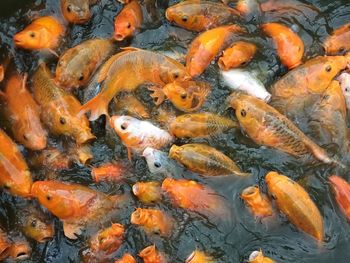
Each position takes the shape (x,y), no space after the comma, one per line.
(128,21)
(198,256)
(146,67)
(200,15)
(23,113)
(266,126)
(237,55)
(239,79)
(59,109)
(258,257)
(15,175)
(76,205)
(187,96)
(258,203)
(153,221)
(292,200)
(290,47)
(137,135)
(150,254)
(52,159)
(205,47)
(339,41)
(205,160)
(127,258)
(108,172)
(77,11)
(196,197)
(341,190)
(199,125)
(77,64)
(147,192)
(43,33)
(130,105)
(158,162)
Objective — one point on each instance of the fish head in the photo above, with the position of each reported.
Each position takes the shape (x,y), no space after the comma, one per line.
(56,197)
(198,256)
(187,95)
(183,15)
(30,38)
(156,160)
(175,152)
(344,79)
(123,28)
(274,180)
(20,250)
(127,128)
(108,240)
(38,228)
(338,184)
(256,256)
(76,11)
(172,71)
(19,183)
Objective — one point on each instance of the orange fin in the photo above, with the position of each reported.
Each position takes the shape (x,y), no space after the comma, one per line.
(72,231)
(157,95)
(97,106)
(129,154)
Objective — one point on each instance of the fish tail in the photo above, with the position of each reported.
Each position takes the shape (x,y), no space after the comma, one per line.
(96,107)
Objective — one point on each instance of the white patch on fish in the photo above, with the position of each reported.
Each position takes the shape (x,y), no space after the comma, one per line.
(238,79)
(344,80)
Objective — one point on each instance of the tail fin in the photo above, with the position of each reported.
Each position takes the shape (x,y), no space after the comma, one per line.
(96,107)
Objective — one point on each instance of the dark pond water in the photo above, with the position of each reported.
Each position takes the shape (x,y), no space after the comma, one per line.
(231,242)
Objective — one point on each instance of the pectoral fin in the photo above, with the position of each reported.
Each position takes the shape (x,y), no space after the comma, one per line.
(72,231)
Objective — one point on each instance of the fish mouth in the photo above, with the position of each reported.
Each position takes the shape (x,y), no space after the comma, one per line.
(168,15)
(85,137)
(254,255)
(119,37)
(148,152)
(191,257)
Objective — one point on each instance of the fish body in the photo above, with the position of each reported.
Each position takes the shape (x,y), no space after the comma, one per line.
(297,88)
(43,33)
(52,159)
(200,15)
(339,41)
(108,240)
(341,190)
(243,80)
(77,11)
(147,192)
(35,224)
(20,249)
(59,109)
(205,160)
(199,125)
(290,47)
(237,55)
(266,126)
(130,105)
(258,257)
(158,162)
(292,200)
(187,96)
(15,176)
(108,172)
(127,258)
(344,80)
(24,114)
(137,135)
(198,256)
(150,254)
(128,21)
(74,204)
(328,122)
(4,245)
(146,67)
(258,203)
(153,221)
(195,197)
(77,64)
(205,47)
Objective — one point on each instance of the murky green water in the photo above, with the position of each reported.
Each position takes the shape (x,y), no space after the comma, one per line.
(229,242)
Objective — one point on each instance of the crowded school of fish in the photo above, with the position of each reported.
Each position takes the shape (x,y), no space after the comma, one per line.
(301,113)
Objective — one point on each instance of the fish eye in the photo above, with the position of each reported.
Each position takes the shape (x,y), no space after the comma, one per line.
(81,77)
(62,121)
(346,89)
(326,97)
(124,126)
(328,68)
(32,34)
(48,198)
(176,75)
(128,25)
(157,165)
(243,113)
(7,186)
(25,137)
(33,223)
(341,49)
(69,8)
(273,197)
(183,96)
(184,18)
(243,63)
